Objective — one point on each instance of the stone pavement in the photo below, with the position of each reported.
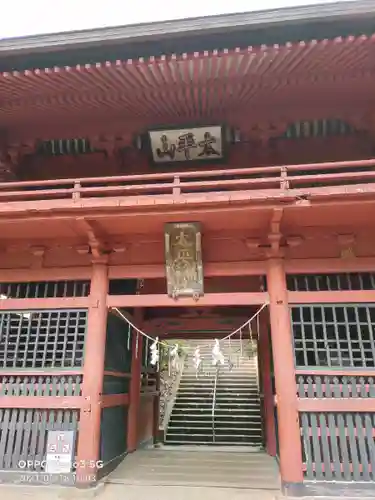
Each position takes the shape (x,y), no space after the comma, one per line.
(128,492)
(205,467)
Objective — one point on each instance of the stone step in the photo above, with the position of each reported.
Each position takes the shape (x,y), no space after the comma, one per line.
(202,439)
(223,404)
(219,390)
(219,430)
(222,398)
(255,421)
(237,417)
(219,409)
(244,417)
(229,436)
(179,442)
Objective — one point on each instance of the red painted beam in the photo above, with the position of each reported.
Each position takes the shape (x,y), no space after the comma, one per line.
(336,265)
(153,271)
(332,297)
(343,467)
(48,303)
(353,372)
(209,299)
(366,405)
(110,400)
(117,374)
(44,402)
(45,274)
(41,372)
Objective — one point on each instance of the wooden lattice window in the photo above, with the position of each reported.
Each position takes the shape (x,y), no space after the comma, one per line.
(334,335)
(60,147)
(318,128)
(42,339)
(321,282)
(35,290)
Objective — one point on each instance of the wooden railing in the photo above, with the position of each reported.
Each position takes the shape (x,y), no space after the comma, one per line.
(284,178)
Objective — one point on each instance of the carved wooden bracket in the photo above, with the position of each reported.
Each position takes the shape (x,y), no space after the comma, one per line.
(275,235)
(94,236)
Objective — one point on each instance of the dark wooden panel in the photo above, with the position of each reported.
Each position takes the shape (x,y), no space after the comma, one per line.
(113,433)
(23,436)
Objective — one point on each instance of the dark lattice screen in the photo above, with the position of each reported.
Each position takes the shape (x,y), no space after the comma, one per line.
(59,147)
(40,339)
(317,282)
(44,289)
(318,128)
(334,335)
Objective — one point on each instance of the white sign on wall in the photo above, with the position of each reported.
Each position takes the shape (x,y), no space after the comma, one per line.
(60,451)
(191,144)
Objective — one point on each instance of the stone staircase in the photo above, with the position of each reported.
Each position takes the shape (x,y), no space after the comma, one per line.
(234,418)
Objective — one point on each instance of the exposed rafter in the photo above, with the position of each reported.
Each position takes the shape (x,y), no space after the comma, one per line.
(198,86)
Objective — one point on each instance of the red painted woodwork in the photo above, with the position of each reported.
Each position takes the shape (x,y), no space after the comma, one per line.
(145,420)
(93,373)
(266,384)
(123,216)
(336,373)
(211,299)
(149,87)
(343,405)
(153,271)
(332,297)
(47,303)
(288,151)
(290,451)
(135,383)
(110,400)
(117,374)
(45,402)
(164,183)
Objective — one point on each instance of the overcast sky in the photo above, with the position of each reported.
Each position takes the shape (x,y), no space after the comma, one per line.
(32,17)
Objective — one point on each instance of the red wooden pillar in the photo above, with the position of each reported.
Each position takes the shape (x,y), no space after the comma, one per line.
(266,377)
(290,451)
(135,383)
(88,450)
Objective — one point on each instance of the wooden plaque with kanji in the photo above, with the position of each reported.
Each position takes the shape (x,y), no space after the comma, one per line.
(183,255)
